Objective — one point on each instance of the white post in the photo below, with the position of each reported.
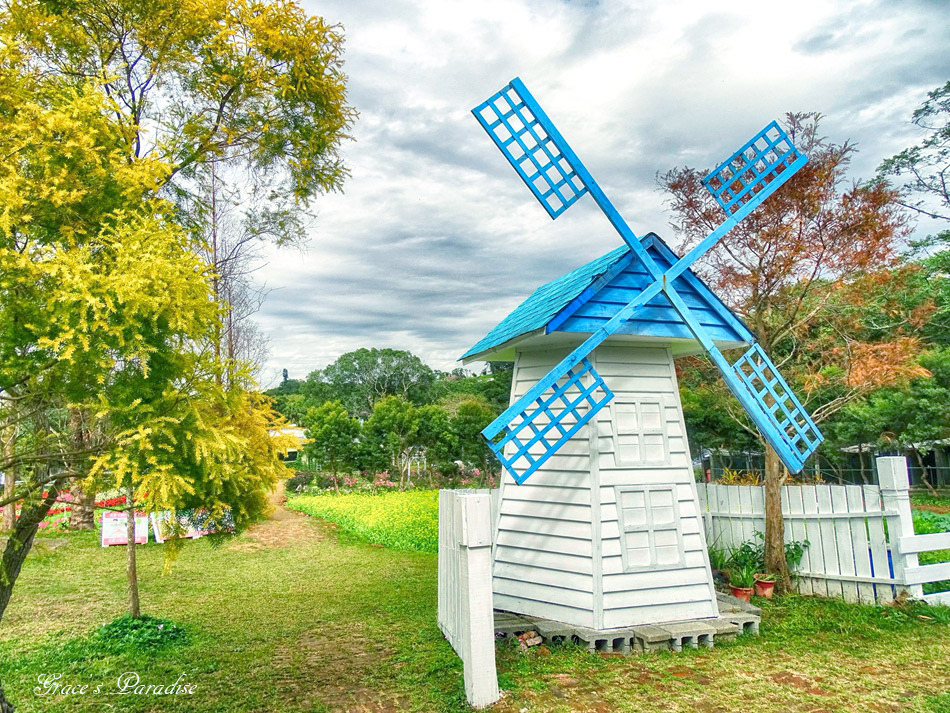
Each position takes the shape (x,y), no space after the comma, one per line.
(895,495)
(477,635)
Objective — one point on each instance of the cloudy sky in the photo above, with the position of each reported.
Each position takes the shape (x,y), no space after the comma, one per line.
(435,238)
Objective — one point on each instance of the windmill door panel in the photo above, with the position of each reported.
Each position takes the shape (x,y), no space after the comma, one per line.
(650,534)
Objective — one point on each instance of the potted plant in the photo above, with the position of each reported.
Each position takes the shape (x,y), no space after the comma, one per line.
(718,560)
(741,580)
(764,585)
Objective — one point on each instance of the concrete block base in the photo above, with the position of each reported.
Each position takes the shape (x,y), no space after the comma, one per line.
(735,617)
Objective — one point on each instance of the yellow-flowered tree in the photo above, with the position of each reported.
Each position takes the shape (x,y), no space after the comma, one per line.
(241,102)
(108,317)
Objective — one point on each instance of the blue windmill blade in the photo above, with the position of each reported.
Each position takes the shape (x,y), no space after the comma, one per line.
(764,395)
(538,430)
(533,146)
(754,172)
(777,413)
(771,404)
(549,404)
(547,164)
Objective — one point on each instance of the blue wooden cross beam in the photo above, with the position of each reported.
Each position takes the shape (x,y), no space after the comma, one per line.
(557,178)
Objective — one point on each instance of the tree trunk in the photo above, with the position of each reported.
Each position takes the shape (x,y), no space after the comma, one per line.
(83,513)
(21,540)
(5,705)
(131,572)
(9,485)
(775,562)
(14,553)
(9,511)
(923,473)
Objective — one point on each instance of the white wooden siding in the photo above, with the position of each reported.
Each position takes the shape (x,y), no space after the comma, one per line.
(558,551)
(665,592)
(543,555)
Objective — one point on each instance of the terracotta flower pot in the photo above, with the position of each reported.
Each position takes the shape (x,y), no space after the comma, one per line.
(764,588)
(743,593)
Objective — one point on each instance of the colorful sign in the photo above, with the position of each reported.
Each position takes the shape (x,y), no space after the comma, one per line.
(114,528)
(193,524)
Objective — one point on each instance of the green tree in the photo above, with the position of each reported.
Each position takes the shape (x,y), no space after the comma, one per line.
(437,437)
(256,88)
(392,432)
(100,315)
(497,389)
(933,284)
(706,409)
(334,438)
(287,386)
(456,383)
(494,384)
(315,391)
(110,108)
(246,97)
(363,377)
(290,401)
(903,418)
(470,420)
(926,166)
(293,407)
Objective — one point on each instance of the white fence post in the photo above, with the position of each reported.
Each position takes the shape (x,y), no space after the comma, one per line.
(466,614)
(895,494)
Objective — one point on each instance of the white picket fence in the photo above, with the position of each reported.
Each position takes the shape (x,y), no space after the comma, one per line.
(862,542)
(466,614)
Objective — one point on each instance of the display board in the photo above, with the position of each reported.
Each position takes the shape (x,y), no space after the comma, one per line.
(114,529)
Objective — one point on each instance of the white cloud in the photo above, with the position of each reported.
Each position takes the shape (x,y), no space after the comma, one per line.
(436,239)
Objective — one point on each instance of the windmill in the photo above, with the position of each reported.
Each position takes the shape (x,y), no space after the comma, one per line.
(607,532)
(557,178)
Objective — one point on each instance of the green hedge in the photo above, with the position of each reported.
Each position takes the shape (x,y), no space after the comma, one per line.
(926,523)
(403,521)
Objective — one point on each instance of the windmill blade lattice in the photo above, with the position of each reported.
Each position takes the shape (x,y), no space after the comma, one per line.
(557,178)
(775,403)
(533,146)
(557,414)
(752,169)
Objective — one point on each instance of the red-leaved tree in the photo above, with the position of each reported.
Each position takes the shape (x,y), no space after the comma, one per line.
(786,269)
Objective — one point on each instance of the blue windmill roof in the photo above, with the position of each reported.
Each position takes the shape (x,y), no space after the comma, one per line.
(545,302)
(584,299)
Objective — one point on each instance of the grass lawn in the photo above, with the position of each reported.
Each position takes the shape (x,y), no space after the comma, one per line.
(298,615)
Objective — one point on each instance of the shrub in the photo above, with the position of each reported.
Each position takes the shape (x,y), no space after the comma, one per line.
(743,576)
(738,477)
(748,555)
(718,557)
(751,553)
(301,479)
(926,523)
(146,632)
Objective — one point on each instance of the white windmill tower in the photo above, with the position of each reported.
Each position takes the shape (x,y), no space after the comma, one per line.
(607,532)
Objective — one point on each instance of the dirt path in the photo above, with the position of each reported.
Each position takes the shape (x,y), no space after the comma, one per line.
(282,528)
(330,662)
(939,509)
